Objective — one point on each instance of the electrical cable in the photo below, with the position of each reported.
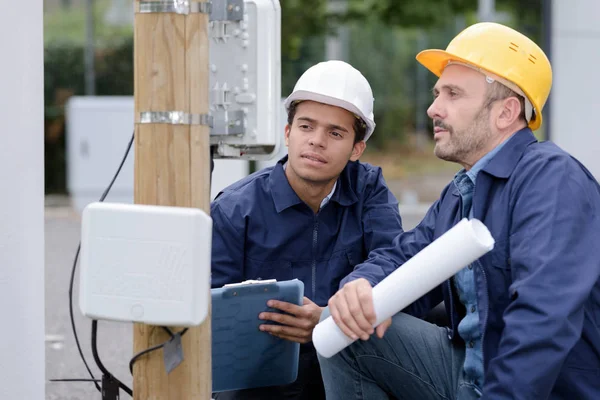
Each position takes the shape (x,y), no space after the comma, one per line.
(101,366)
(73,269)
(153,348)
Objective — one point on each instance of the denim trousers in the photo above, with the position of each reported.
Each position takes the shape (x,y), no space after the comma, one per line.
(414,360)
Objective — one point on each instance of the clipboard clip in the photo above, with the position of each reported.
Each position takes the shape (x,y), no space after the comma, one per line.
(250,282)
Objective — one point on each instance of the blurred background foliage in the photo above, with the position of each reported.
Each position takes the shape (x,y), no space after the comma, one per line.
(379,37)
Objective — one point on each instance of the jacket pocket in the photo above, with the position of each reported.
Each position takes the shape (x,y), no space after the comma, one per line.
(500,256)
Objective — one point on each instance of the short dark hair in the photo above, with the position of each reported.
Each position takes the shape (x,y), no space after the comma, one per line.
(360,127)
(497,91)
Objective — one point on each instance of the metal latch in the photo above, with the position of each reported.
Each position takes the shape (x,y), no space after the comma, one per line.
(250,282)
(227,10)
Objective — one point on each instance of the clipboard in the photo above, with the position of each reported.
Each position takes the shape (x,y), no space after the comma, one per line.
(243,357)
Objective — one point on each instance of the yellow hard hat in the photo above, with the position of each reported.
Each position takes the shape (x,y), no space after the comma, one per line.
(504,52)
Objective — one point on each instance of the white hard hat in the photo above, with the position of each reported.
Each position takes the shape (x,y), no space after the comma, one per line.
(338,84)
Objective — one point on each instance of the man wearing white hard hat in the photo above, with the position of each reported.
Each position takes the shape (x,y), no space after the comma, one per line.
(313,216)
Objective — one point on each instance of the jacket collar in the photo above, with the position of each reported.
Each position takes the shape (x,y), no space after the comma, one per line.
(505,161)
(285,197)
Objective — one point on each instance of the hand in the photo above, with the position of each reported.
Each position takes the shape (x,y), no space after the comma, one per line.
(352,310)
(297,327)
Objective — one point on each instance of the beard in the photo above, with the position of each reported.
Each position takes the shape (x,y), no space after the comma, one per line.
(463,144)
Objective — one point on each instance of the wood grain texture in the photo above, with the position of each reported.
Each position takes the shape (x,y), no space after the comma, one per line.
(172,167)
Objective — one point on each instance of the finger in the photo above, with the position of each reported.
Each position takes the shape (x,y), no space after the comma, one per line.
(291,338)
(365,299)
(285,306)
(347,317)
(281,330)
(289,320)
(306,301)
(337,318)
(381,328)
(353,298)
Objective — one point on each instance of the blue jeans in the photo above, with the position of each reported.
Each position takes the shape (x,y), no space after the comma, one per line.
(414,360)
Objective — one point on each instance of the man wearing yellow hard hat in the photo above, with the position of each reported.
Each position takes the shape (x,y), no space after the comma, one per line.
(523,320)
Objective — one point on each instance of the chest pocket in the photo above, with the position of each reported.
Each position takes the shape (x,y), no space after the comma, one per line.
(500,256)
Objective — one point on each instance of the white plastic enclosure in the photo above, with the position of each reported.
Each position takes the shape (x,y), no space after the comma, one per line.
(148,264)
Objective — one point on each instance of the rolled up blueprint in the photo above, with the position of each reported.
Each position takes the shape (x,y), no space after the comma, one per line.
(460,246)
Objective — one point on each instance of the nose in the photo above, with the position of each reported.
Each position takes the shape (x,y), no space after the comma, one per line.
(436,109)
(318,138)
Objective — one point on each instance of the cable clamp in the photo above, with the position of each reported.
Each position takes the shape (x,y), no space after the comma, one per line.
(182,7)
(175,118)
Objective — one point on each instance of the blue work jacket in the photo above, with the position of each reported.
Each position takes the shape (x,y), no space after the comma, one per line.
(538,290)
(261,229)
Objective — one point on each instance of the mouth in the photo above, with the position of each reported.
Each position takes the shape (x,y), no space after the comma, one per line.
(437,132)
(315,158)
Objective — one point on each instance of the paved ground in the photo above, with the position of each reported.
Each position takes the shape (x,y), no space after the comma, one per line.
(62,358)
(62,228)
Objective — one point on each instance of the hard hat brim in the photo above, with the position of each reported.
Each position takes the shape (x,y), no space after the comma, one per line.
(436,60)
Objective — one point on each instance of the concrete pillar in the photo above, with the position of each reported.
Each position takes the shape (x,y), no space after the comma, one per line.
(575,38)
(22,200)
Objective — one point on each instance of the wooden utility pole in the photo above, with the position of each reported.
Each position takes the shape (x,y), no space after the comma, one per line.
(172,168)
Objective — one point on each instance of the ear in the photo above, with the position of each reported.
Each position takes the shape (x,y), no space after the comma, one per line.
(287,135)
(509,113)
(357,150)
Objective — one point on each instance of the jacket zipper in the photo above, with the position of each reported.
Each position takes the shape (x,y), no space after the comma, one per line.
(314,260)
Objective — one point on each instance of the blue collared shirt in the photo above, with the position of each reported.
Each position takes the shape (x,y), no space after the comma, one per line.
(464,281)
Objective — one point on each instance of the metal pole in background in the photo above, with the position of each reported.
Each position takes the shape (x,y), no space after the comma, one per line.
(336,45)
(22,353)
(421,97)
(89,56)
(486,10)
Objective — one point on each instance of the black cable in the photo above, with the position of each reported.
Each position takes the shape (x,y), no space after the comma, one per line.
(73,269)
(153,348)
(73,320)
(74,380)
(101,366)
(143,352)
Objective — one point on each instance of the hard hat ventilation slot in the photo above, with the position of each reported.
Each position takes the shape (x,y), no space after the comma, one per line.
(532,58)
(513,47)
